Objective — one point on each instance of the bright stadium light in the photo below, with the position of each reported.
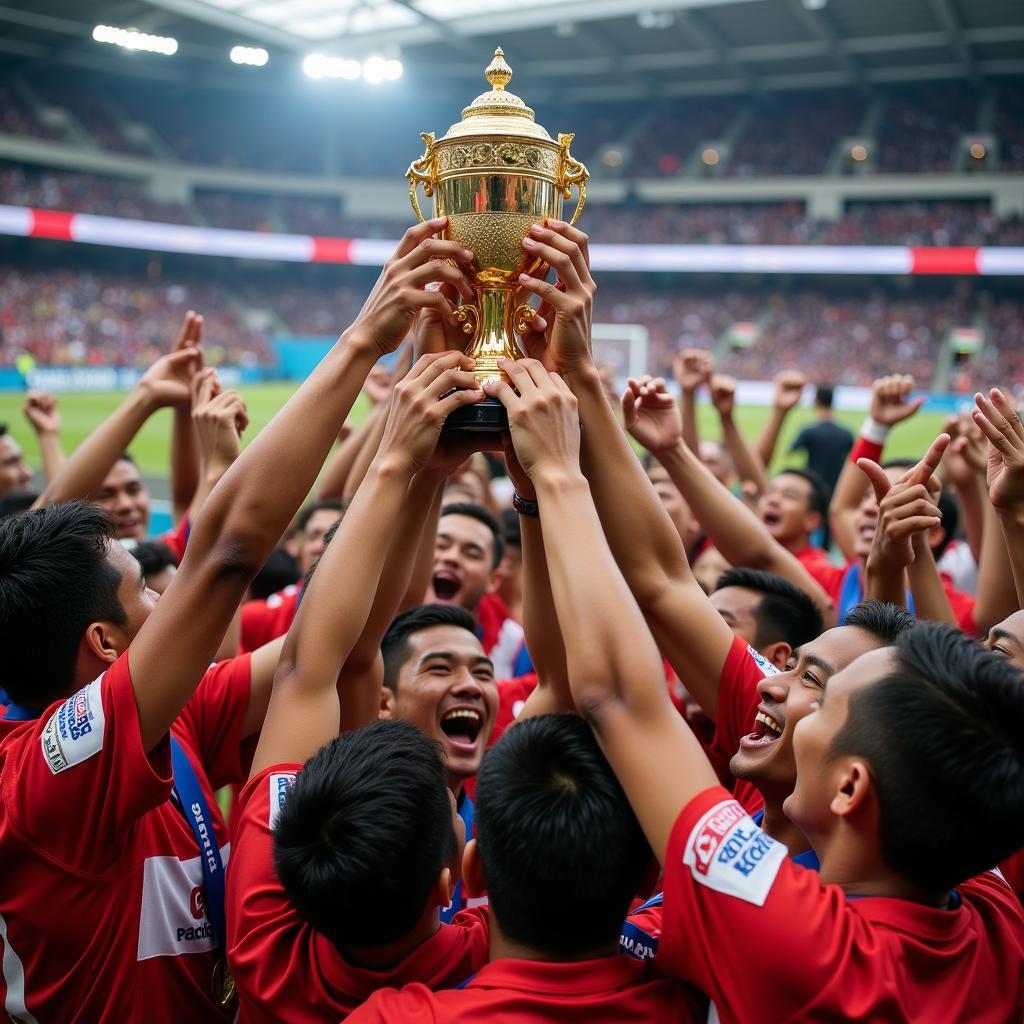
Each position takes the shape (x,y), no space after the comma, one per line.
(319,65)
(377,69)
(255,56)
(132,39)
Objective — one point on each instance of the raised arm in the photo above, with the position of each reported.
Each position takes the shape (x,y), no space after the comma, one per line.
(688,630)
(164,384)
(43,415)
(789,387)
(185,468)
(691,368)
(252,505)
(305,711)
(749,467)
(650,416)
(890,404)
(613,664)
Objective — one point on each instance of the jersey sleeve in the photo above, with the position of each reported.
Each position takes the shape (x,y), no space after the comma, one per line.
(760,935)
(413,1004)
(76,780)
(177,538)
(213,717)
(263,926)
(800,441)
(738,698)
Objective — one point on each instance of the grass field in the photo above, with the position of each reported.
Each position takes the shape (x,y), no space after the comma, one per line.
(82,412)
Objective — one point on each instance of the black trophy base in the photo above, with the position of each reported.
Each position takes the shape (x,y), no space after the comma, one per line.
(485,416)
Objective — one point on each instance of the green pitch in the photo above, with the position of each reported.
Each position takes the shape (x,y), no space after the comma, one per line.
(82,412)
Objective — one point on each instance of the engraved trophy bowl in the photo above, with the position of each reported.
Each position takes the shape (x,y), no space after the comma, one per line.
(493,175)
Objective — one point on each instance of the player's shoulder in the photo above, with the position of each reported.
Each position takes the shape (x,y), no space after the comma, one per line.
(411,1004)
(283,597)
(264,795)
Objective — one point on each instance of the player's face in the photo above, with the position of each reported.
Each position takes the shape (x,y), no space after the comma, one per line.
(14,473)
(738,606)
(125,497)
(867,517)
(675,505)
(311,544)
(816,770)
(712,454)
(765,757)
(463,562)
(446,688)
(1007,639)
(785,508)
(137,600)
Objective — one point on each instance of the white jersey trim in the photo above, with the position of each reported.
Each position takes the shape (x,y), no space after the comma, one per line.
(14,980)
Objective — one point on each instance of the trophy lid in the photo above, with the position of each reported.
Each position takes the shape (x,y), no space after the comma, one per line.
(497,112)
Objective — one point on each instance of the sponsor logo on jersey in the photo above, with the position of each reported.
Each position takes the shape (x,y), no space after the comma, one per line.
(197,902)
(280,786)
(726,851)
(74,731)
(766,667)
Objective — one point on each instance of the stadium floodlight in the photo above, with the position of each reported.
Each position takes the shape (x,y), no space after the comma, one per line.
(132,39)
(378,69)
(815,5)
(255,56)
(319,65)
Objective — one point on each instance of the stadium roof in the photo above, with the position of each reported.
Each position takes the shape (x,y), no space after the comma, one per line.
(583,49)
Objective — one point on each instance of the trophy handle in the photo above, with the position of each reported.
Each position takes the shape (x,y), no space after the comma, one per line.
(571,172)
(422,172)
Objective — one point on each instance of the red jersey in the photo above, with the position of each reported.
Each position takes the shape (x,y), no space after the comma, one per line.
(177,538)
(287,973)
(500,635)
(767,941)
(512,695)
(822,570)
(263,621)
(614,988)
(738,700)
(102,910)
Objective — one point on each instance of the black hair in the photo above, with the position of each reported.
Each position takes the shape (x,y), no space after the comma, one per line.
(884,621)
(3,429)
(554,829)
(943,732)
(153,557)
(395,645)
(279,571)
(126,457)
(317,506)
(55,579)
(365,832)
(818,498)
(824,395)
(482,515)
(511,529)
(785,611)
(15,502)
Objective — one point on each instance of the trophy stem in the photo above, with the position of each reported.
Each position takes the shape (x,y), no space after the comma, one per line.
(494,339)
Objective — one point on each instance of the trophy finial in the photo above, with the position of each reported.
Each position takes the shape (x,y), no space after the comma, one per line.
(498,73)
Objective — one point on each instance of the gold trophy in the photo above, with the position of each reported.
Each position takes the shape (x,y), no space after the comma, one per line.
(494,174)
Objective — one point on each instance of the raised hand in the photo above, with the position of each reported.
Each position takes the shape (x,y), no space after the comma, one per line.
(220,419)
(789,388)
(723,393)
(191,333)
(168,381)
(378,385)
(890,399)
(568,304)
(542,418)
(692,367)
(418,410)
(650,414)
(1000,423)
(400,293)
(905,508)
(42,412)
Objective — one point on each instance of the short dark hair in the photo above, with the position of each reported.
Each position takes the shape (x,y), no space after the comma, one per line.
(317,506)
(483,515)
(153,556)
(55,579)
(278,572)
(395,645)
(943,732)
(824,395)
(3,429)
(15,502)
(126,457)
(785,612)
(819,495)
(886,622)
(555,829)
(365,832)
(949,510)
